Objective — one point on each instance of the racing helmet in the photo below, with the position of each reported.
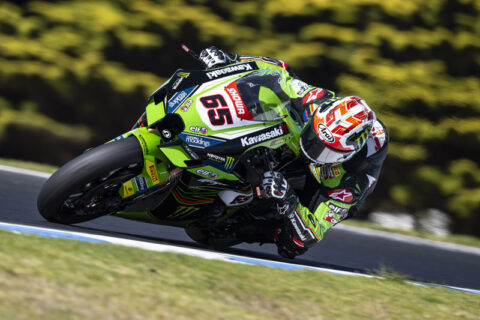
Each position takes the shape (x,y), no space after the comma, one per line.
(337,130)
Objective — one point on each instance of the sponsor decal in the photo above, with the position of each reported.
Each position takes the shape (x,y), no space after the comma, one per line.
(187,105)
(248,141)
(240,108)
(330,218)
(177,99)
(199,129)
(197,141)
(152,171)
(293,220)
(230,70)
(182,212)
(342,195)
(312,95)
(325,133)
(336,170)
(241,199)
(128,189)
(216,158)
(210,174)
(232,198)
(330,172)
(371,180)
(183,74)
(177,83)
(299,86)
(227,161)
(337,209)
(141,183)
(143,143)
(277,142)
(312,219)
(306,115)
(315,172)
(119,138)
(323,172)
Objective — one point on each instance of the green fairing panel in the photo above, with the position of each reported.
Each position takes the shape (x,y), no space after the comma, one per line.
(154,112)
(176,154)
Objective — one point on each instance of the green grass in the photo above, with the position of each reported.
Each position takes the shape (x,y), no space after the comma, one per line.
(43,278)
(453,238)
(28,165)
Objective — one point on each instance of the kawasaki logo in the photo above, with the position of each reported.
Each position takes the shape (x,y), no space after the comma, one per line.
(293,220)
(232,69)
(248,141)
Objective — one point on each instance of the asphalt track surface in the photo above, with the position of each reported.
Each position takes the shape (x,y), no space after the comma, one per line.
(346,249)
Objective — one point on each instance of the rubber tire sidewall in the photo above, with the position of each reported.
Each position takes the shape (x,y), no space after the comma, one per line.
(78,172)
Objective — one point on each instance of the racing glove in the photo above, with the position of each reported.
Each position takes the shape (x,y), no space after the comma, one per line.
(287,245)
(213,57)
(276,187)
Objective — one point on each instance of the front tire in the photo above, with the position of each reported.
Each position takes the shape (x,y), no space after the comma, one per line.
(87,187)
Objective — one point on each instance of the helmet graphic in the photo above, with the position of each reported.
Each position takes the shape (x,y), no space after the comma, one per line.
(337,130)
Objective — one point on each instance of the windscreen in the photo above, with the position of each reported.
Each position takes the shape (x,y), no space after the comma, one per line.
(263,96)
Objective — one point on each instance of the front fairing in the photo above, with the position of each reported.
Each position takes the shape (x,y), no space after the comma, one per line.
(226,112)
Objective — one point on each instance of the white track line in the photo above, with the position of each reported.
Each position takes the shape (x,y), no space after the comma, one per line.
(25,171)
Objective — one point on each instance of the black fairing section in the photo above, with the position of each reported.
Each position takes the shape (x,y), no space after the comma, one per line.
(184,78)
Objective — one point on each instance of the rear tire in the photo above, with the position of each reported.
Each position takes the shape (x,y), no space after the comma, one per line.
(87,176)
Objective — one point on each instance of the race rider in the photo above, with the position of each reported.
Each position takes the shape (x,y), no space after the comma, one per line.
(344,146)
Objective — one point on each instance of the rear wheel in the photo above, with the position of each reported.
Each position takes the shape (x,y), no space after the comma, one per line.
(87,187)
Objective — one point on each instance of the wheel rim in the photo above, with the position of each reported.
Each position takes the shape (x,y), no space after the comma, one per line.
(99,196)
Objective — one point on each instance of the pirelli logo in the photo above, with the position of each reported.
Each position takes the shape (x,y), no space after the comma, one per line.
(152,171)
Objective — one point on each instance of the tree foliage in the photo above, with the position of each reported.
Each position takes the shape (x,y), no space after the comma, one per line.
(75,73)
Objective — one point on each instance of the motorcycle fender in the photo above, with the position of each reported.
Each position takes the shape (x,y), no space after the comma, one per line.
(154,171)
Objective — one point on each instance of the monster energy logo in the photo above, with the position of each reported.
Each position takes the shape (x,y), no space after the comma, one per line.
(182,212)
(227,161)
(183,74)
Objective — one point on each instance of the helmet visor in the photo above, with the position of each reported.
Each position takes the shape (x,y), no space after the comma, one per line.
(318,152)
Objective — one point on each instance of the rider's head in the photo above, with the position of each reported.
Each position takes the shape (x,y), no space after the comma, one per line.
(337,130)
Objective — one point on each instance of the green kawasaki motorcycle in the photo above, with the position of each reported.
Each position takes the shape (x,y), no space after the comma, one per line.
(194,159)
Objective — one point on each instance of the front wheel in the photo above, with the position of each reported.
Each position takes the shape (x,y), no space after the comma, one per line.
(87,187)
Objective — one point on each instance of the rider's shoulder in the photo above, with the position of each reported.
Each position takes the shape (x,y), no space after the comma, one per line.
(378,138)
